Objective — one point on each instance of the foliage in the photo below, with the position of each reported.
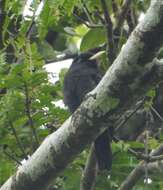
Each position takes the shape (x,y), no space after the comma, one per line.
(89,40)
(26,106)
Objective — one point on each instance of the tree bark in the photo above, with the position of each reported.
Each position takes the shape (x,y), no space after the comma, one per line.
(90,172)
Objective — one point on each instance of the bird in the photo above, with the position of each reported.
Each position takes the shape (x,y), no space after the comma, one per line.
(82,77)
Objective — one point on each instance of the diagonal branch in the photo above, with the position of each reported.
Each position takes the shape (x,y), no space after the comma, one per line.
(11,156)
(18,140)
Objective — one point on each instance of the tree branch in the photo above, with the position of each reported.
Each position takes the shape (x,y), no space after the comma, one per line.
(120,20)
(115,9)
(87,12)
(18,140)
(11,156)
(90,172)
(156,112)
(29,115)
(2,18)
(139,171)
(123,13)
(109,33)
(131,19)
(92,25)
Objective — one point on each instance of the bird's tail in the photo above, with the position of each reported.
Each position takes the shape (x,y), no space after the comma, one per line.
(103,151)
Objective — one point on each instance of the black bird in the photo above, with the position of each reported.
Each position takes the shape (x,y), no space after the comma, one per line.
(82,77)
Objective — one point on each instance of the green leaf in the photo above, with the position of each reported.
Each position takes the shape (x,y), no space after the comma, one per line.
(93,38)
(151,93)
(69,6)
(135,144)
(46,50)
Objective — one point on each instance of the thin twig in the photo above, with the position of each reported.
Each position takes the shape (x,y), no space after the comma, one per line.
(98,15)
(129,116)
(87,24)
(109,31)
(61,58)
(17,140)
(28,112)
(28,33)
(157,114)
(142,156)
(30,28)
(120,20)
(147,155)
(87,12)
(12,157)
(138,172)
(115,8)
(130,20)
(123,13)
(2,21)
(89,52)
